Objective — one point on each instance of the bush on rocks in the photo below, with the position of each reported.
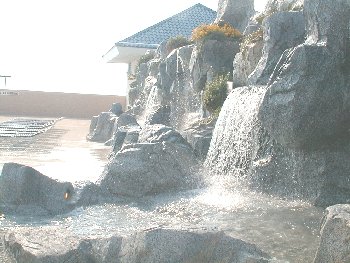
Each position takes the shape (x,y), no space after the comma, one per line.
(215,94)
(215,32)
(176,42)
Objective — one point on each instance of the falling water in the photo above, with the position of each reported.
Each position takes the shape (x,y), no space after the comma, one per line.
(153,99)
(233,145)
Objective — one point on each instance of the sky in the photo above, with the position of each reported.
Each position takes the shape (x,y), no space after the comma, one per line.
(57,45)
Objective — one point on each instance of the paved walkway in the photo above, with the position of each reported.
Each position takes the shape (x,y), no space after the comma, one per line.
(61,152)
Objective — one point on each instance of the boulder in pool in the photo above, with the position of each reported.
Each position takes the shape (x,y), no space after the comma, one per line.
(24,190)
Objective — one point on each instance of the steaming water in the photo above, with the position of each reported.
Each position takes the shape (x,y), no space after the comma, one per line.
(286,230)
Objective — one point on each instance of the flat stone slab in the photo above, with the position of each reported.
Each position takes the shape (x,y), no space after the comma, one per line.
(20,127)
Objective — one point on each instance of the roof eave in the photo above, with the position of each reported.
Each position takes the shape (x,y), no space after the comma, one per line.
(124,54)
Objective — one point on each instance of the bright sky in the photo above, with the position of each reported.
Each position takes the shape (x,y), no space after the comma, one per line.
(57,45)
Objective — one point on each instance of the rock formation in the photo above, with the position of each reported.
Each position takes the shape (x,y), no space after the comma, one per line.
(306,111)
(24,190)
(158,245)
(101,128)
(148,169)
(235,12)
(334,246)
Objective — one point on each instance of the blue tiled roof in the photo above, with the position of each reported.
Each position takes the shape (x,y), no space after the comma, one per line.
(181,24)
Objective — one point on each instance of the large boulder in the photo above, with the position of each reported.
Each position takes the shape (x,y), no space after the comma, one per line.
(235,12)
(161,133)
(199,137)
(148,169)
(102,129)
(282,30)
(210,58)
(335,231)
(320,177)
(125,126)
(248,58)
(23,190)
(159,115)
(307,105)
(158,245)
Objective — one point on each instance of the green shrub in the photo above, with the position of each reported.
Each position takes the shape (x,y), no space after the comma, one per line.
(176,42)
(215,32)
(145,58)
(215,94)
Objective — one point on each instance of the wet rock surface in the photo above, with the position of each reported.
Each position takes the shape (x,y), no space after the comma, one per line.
(335,230)
(306,105)
(29,245)
(23,190)
(148,169)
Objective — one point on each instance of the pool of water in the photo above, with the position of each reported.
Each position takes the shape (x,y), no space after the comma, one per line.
(286,230)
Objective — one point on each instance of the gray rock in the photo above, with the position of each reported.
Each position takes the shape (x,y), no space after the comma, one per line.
(319,177)
(328,24)
(161,133)
(159,115)
(283,5)
(104,128)
(235,12)
(38,245)
(126,135)
(246,61)
(23,190)
(162,245)
(282,30)
(199,137)
(116,109)
(307,105)
(126,130)
(153,68)
(87,194)
(211,58)
(148,169)
(334,245)
(93,124)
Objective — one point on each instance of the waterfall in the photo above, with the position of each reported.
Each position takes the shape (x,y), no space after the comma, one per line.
(234,142)
(153,99)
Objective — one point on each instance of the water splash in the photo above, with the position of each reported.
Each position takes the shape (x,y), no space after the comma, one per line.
(234,143)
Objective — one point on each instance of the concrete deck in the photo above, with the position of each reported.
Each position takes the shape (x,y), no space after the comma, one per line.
(62,152)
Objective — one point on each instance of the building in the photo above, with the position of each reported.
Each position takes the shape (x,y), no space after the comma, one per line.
(130,49)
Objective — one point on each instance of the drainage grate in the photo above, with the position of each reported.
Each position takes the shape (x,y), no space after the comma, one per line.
(25,127)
